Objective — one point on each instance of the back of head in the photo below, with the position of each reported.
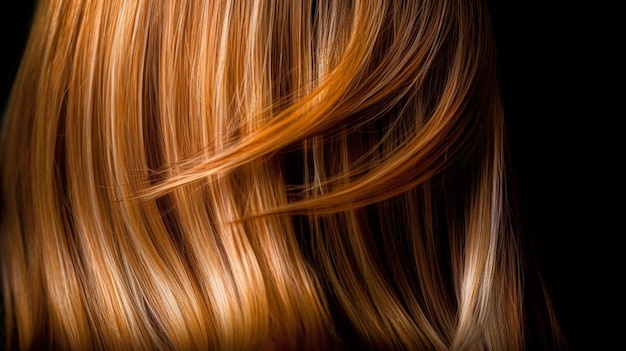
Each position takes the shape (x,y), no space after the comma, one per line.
(244,175)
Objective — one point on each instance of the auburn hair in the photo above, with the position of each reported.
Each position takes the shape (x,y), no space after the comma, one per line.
(263,175)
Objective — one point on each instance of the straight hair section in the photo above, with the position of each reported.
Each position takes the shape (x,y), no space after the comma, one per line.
(262,175)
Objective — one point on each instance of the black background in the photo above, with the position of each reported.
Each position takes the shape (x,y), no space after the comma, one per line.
(560,77)
(561,83)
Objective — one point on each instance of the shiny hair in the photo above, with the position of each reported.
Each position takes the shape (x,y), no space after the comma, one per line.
(263,175)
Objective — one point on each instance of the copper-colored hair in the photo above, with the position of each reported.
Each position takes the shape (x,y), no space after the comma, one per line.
(274,175)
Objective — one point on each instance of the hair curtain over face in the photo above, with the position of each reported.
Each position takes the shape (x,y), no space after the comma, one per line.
(262,175)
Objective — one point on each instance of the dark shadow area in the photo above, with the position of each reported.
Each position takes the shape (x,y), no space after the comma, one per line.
(15,22)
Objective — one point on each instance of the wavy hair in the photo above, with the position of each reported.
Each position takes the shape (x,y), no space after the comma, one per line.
(262,175)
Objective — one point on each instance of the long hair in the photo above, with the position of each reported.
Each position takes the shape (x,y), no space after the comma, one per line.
(262,175)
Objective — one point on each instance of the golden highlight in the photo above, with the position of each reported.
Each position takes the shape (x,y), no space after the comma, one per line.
(262,175)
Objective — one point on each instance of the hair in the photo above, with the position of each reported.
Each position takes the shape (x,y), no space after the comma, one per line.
(263,175)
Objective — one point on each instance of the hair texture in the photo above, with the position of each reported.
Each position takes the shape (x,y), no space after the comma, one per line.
(262,175)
